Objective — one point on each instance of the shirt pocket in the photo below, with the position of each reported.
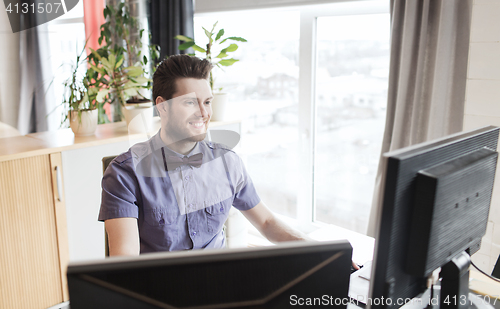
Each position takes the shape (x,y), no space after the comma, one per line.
(160,217)
(216,216)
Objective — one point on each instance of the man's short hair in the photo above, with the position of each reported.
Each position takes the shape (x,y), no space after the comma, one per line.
(176,67)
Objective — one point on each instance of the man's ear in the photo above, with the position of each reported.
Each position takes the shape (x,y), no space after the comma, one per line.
(158,100)
(160,104)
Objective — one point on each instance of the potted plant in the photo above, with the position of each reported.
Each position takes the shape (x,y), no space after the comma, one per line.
(80,106)
(117,68)
(221,59)
(121,82)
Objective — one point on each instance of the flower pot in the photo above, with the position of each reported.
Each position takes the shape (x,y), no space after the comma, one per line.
(85,124)
(139,117)
(219,106)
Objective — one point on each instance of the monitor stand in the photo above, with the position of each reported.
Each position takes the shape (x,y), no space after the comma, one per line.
(453,290)
(455,283)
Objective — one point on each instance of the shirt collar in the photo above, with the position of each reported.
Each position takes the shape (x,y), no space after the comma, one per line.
(158,144)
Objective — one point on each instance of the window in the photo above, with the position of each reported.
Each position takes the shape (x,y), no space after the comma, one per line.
(311,91)
(351,96)
(263,89)
(66,40)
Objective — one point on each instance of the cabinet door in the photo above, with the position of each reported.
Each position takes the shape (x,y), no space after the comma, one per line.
(31,265)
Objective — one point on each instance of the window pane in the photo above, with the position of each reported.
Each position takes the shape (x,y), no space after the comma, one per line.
(351,96)
(263,92)
(66,42)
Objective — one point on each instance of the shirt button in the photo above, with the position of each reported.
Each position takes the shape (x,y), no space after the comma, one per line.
(222,209)
(193,233)
(162,221)
(187,178)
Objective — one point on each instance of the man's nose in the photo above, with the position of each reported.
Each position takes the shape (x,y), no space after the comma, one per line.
(203,110)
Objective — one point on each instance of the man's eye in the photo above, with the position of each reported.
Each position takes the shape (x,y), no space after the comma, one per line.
(190,102)
(208,102)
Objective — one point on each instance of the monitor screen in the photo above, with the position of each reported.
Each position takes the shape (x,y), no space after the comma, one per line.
(294,273)
(427,202)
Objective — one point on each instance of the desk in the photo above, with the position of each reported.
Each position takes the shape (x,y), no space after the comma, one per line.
(482,285)
(363,247)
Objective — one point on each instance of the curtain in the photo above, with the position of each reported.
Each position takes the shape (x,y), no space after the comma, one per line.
(168,18)
(9,72)
(93,18)
(36,96)
(427,77)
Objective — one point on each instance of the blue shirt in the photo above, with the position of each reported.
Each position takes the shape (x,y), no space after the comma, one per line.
(177,209)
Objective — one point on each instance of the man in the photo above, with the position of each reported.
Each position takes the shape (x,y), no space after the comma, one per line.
(174,191)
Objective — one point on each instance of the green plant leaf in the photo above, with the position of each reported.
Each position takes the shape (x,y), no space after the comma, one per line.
(208,33)
(142,80)
(106,65)
(112,60)
(183,38)
(197,48)
(227,62)
(101,95)
(234,38)
(95,54)
(119,63)
(221,33)
(231,48)
(92,91)
(85,99)
(97,69)
(133,71)
(186,45)
(221,55)
(213,27)
(131,91)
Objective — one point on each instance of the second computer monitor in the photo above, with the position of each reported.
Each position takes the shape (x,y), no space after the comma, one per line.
(281,276)
(434,205)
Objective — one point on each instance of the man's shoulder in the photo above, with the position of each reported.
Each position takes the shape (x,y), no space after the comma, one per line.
(135,152)
(120,164)
(215,145)
(220,149)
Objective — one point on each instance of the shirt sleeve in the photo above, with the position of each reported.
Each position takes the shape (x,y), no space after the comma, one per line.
(119,186)
(246,196)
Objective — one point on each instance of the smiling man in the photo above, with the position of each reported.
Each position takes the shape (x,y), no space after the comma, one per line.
(174,191)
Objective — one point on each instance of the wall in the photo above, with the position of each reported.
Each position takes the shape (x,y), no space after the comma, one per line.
(482,106)
(9,71)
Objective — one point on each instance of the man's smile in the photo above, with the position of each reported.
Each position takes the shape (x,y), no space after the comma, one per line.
(197,124)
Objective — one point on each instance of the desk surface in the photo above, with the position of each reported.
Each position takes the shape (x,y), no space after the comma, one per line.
(483,285)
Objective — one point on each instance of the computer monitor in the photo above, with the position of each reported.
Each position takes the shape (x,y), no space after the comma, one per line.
(288,274)
(434,206)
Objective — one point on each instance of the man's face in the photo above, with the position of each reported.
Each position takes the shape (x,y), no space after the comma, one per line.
(187,115)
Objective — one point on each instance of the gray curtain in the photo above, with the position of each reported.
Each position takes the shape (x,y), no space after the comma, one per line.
(168,18)
(36,96)
(9,72)
(427,76)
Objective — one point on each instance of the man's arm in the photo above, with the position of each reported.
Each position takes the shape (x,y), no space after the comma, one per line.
(270,226)
(123,236)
